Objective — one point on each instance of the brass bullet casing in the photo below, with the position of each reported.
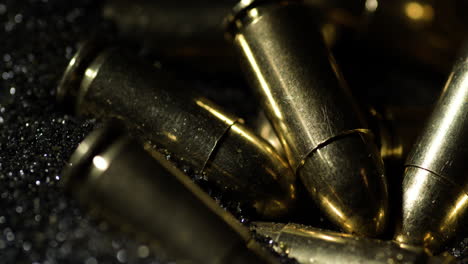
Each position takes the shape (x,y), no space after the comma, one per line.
(435,187)
(188,31)
(305,97)
(161,113)
(313,245)
(156,202)
(390,141)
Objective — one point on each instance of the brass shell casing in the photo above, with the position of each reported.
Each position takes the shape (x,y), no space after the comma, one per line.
(304,96)
(393,137)
(312,245)
(435,187)
(427,31)
(156,202)
(156,108)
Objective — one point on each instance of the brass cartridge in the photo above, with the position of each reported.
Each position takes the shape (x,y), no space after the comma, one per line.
(392,143)
(319,125)
(161,113)
(428,31)
(154,201)
(435,186)
(312,245)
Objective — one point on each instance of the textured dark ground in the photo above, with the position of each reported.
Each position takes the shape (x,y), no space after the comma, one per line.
(38,223)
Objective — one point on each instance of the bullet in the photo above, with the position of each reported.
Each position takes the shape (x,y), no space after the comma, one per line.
(313,245)
(188,31)
(394,130)
(192,32)
(435,193)
(319,125)
(120,182)
(162,113)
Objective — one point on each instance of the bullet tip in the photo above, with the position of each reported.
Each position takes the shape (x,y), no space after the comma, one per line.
(351,187)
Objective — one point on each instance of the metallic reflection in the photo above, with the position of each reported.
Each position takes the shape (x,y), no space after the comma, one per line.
(311,245)
(155,202)
(100,163)
(305,97)
(435,188)
(109,83)
(261,78)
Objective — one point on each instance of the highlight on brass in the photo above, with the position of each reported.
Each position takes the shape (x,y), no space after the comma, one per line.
(264,129)
(435,187)
(107,83)
(394,129)
(120,182)
(318,123)
(312,245)
(386,136)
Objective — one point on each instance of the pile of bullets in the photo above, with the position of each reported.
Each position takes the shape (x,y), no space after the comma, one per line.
(312,134)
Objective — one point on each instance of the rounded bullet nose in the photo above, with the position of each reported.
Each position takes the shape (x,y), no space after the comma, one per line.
(346,178)
(434,209)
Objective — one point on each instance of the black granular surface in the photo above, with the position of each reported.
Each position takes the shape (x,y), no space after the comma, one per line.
(38,223)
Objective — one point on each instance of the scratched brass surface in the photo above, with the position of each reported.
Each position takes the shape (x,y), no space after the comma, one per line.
(435,200)
(319,125)
(164,115)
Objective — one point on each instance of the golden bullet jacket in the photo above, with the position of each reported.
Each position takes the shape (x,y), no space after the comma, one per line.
(120,182)
(435,187)
(304,96)
(107,83)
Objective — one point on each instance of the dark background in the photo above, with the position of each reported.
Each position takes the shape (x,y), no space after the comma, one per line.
(38,223)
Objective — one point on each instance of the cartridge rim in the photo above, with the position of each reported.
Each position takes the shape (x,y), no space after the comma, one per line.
(241,9)
(69,85)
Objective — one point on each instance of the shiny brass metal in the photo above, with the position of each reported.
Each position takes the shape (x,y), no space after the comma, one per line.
(394,128)
(122,183)
(435,187)
(312,245)
(161,113)
(264,128)
(188,31)
(319,126)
